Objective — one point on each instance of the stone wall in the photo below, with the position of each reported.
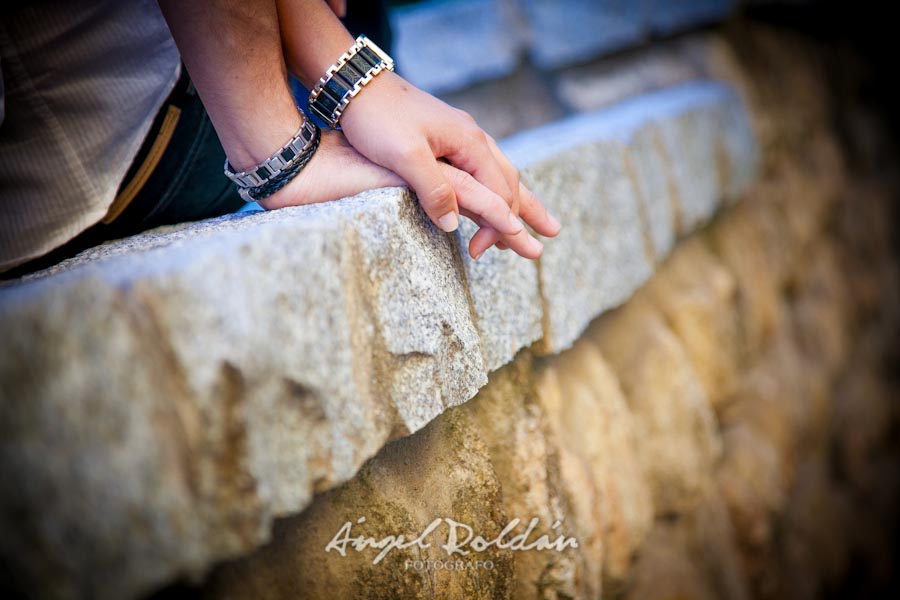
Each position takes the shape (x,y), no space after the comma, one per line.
(726,433)
(693,380)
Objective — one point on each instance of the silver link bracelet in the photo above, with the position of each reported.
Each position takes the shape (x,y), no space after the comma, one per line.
(282,159)
(346,78)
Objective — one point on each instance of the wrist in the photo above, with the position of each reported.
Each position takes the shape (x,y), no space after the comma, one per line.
(249,141)
(313,38)
(357,67)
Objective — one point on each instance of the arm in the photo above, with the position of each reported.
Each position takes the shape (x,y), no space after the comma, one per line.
(405,130)
(232,49)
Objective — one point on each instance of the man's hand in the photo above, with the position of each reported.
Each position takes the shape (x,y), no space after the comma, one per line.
(451,164)
(406,130)
(335,171)
(338,170)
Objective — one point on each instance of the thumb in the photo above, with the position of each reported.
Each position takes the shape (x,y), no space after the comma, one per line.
(436,195)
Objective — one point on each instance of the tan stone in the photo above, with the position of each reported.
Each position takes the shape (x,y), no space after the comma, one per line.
(864,413)
(819,310)
(743,240)
(674,422)
(865,221)
(752,485)
(816,532)
(514,429)
(771,401)
(448,466)
(665,572)
(713,543)
(693,556)
(591,420)
(695,294)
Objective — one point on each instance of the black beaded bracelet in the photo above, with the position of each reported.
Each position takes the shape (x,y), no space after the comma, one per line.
(286,175)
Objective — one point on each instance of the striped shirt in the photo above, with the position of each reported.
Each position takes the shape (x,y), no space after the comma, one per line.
(80,84)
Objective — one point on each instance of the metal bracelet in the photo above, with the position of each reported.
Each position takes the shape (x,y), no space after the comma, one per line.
(277,182)
(345,79)
(282,159)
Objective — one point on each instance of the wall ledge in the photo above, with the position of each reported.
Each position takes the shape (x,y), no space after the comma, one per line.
(206,378)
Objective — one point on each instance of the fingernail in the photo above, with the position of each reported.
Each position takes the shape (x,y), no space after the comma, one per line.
(536,244)
(514,223)
(480,254)
(554,222)
(449,222)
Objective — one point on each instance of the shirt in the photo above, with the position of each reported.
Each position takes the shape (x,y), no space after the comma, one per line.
(82,81)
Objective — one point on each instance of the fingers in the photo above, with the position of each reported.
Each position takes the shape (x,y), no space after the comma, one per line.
(427,178)
(470,150)
(488,209)
(483,239)
(475,199)
(525,203)
(510,173)
(535,213)
(531,211)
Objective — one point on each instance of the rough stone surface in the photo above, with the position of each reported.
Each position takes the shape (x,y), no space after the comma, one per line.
(697,297)
(478,41)
(748,242)
(506,306)
(613,79)
(654,177)
(269,355)
(506,106)
(667,18)
(299,411)
(562,36)
(697,172)
(533,481)
(448,464)
(600,259)
(593,424)
(648,166)
(673,416)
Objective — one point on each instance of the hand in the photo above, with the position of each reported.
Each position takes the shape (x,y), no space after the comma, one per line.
(335,171)
(406,130)
(338,170)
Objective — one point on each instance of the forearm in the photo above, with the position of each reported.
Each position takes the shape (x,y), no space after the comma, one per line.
(313,38)
(233,52)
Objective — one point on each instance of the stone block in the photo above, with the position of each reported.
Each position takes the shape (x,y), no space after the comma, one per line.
(277,367)
(649,168)
(442,472)
(443,46)
(673,418)
(591,421)
(508,105)
(743,240)
(690,143)
(750,479)
(666,18)
(262,410)
(617,78)
(665,571)
(427,352)
(696,295)
(524,454)
(600,257)
(506,302)
(737,142)
(580,29)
